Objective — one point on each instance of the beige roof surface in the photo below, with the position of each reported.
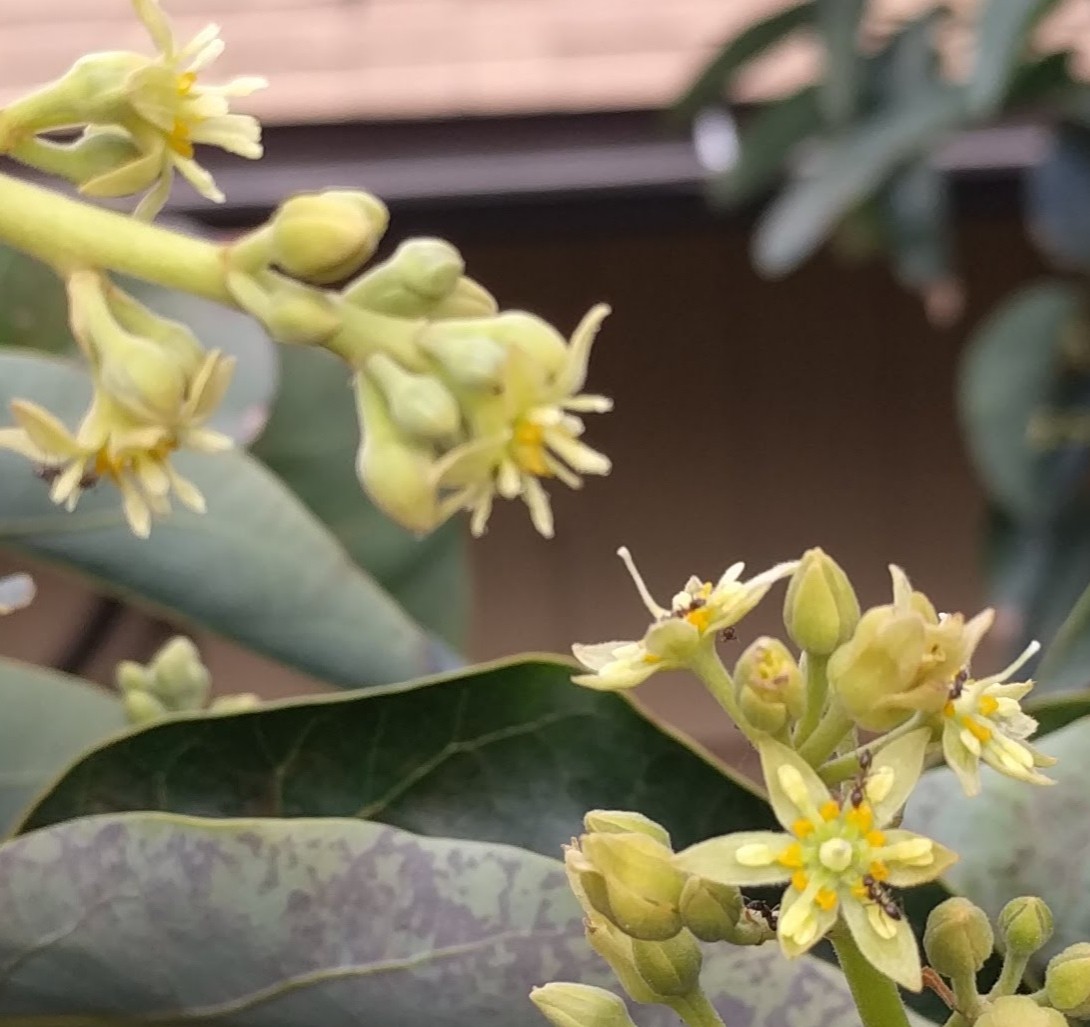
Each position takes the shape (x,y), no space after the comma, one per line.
(335,59)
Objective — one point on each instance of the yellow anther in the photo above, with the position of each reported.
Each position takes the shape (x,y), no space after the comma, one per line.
(948,710)
(799,880)
(791,857)
(652,658)
(988,705)
(699,618)
(878,870)
(830,810)
(875,839)
(179,139)
(528,449)
(859,891)
(978,731)
(802,828)
(186,82)
(861,817)
(826,899)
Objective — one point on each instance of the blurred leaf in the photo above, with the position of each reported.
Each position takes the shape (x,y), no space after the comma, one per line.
(1019,839)
(49,720)
(1056,711)
(257,568)
(1002,37)
(770,137)
(918,222)
(1066,662)
(1045,79)
(311,443)
(33,305)
(1009,373)
(262,923)
(846,173)
(842,82)
(508,752)
(714,81)
(1058,198)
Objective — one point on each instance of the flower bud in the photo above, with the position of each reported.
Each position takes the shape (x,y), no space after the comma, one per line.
(467,299)
(418,403)
(299,317)
(642,886)
(179,679)
(1025,925)
(615,947)
(420,274)
(710,910)
(670,967)
(395,474)
(140,377)
(132,677)
(142,708)
(769,683)
(613,821)
(820,610)
(1067,980)
(471,360)
(1019,1011)
(580,1005)
(958,938)
(323,238)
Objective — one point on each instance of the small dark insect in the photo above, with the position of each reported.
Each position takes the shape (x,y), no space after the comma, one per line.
(958,684)
(728,635)
(768,913)
(694,604)
(858,794)
(882,896)
(49,473)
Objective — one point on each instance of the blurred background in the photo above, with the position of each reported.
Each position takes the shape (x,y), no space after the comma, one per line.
(754,418)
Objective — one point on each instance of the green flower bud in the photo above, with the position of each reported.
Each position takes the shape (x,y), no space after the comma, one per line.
(1019,1011)
(769,684)
(1067,980)
(710,910)
(615,947)
(580,1005)
(467,299)
(471,360)
(132,677)
(141,377)
(421,274)
(642,885)
(323,238)
(419,404)
(958,938)
(670,967)
(613,821)
(1025,925)
(300,317)
(820,610)
(237,703)
(142,708)
(180,681)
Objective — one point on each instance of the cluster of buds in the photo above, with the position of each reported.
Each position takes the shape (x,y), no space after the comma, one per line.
(899,670)
(175,680)
(458,402)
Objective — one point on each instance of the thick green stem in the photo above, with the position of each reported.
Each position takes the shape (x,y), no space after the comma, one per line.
(707,666)
(71,235)
(876,996)
(845,767)
(697,1011)
(817,690)
(1010,977)
(829,733)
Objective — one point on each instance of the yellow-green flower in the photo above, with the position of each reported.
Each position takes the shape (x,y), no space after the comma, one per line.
(695,615)
(111,444)
(983,722)
(527,428)
(837,855)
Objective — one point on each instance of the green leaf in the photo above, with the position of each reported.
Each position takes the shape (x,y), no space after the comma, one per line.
(768,141)
(847,173)
(1009,372)
(150,918)
(311,443)
(843,79)
(918,216)
(49,720)
(1019,839)
(1056,711)
(1066,663)
(257,568)
(33,305)
(1002,36)
(508,752)
(714,81)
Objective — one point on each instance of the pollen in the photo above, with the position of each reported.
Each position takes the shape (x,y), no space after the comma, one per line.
(826,899)
(652,658)
(802,828)
(830,810)
(876,839)
(799,880)
(179,139)
(186,82)
(699,618)
(528,449)
(878,870)
(861,817)
(988,705)
(981,733)
(948,710)
(791,857)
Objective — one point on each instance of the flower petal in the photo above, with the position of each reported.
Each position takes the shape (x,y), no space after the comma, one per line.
(897,957)
(717,858)
(815,923)
(906,874)
(794,788)
(960,759)
(904,756)
(44,430)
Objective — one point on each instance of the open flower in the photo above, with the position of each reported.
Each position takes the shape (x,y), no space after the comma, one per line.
(111,444)
(695,615)
(839,861)
(527,428)
(983,721)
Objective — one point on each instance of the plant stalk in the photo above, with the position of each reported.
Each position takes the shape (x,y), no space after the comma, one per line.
(817,691)
(696,1010)
(829,733)
(707,666)
(876,996)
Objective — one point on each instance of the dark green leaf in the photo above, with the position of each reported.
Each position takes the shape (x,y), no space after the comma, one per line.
(510,752)
(33,305)
(315,456)
(1010,373)
(1055,712)
(155,919)
(1045,80)
(1002,36)
(847,173)
(768,140)
(842,83)
(714,81)
(49,719)
(258,567)
(1066,663)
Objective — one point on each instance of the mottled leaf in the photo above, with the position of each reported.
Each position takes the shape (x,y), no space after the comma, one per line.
(310,443)
(150,918)
(48,720)
(258,567)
